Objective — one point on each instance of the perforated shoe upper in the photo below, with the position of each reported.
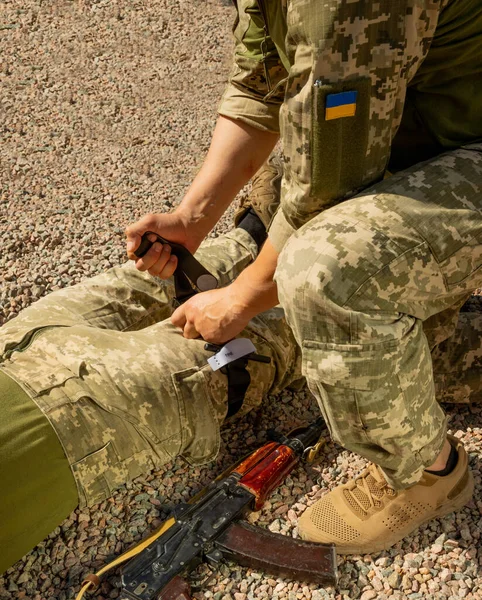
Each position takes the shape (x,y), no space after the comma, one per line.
(366,515)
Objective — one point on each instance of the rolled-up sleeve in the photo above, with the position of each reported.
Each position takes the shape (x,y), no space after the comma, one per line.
(280,230)
(256,87)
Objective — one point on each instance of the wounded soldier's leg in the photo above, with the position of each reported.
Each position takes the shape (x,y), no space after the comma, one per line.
(124,402)
(121,404)
(123,298)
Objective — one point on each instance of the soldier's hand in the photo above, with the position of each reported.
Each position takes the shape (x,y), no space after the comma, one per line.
(217,316)
(158,260)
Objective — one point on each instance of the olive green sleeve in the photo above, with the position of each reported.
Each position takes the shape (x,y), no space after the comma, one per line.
(38,488)
(450,79)
(256,84)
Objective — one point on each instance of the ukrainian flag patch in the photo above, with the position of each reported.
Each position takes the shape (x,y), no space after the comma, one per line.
(340,105)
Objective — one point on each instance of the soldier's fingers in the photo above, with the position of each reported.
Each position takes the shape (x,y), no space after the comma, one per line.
(135,245)
(163,259)
(133,242)
(169,269)
(152,256)
(134,233)
(178,317)
(190,332)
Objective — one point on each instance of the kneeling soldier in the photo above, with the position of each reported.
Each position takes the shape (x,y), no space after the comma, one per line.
(97,386)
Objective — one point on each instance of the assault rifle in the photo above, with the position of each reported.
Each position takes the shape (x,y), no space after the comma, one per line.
(210,528)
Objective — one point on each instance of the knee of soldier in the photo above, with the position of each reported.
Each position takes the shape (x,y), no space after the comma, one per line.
(310,265)
(324,263)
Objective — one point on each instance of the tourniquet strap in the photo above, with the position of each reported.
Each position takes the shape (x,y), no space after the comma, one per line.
(238,383)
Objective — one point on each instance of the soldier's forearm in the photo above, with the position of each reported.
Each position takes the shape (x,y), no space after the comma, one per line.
(255,284)
(237,151)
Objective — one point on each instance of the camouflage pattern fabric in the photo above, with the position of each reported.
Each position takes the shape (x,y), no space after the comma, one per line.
(372,285)
(124,390)
(259,73)
(291,57)
(457,361)
(369,288)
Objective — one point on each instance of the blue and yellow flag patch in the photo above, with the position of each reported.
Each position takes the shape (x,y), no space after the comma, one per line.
(340,105)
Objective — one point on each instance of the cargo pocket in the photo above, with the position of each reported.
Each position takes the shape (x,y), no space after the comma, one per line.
(339,143)
(98,474)
(15,339)
(358,390)
(200,415)
(41,372)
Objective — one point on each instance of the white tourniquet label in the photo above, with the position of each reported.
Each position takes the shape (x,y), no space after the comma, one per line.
(231,351)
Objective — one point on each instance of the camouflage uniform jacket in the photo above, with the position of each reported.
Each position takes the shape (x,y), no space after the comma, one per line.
(337,79)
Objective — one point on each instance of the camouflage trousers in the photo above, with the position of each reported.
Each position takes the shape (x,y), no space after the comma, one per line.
(371,291)
(123,389)
(371,288)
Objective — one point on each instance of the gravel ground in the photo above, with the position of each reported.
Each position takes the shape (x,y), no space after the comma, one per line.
(107,109)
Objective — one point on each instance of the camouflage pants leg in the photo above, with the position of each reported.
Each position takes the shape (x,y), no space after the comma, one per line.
(359,282)
(123,389)
(457,359)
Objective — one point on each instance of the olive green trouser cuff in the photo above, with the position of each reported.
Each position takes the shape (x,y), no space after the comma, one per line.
(38,489)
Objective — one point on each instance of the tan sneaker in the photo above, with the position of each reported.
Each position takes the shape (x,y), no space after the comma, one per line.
(366,515)
(265,192)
